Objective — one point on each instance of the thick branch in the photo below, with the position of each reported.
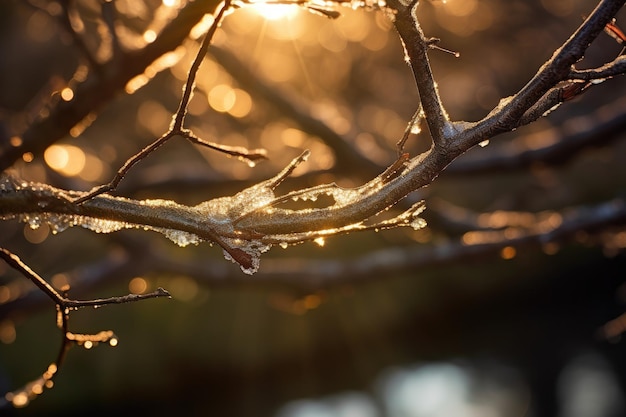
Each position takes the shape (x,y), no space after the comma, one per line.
(508,114)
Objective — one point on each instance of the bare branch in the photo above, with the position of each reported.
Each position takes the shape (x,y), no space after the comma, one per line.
(99,88)
(416,47)
(507,115)
(177,126)
(64,306)
(612,69)
(560,150)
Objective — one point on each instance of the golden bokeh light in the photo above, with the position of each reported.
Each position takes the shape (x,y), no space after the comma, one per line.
(60,280)
(16,141)
(94,168)
(294,138)
(461,8)
(201,27)
(222,98)
(38,235)
(243,104)
(138,285)
(149,36)
(67,94)
(67,160)
(20,400)
(508,252)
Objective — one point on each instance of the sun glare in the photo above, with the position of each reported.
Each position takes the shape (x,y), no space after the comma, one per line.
(271,11)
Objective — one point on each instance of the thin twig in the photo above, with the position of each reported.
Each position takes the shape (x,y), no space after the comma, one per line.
(195,66)
(177,129)
(99,88)
(64,306)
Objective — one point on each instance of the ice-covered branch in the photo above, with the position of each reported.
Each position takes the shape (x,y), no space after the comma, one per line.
(244,225)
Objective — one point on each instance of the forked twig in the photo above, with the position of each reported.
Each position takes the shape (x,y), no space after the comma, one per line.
(64,306)
(177,126)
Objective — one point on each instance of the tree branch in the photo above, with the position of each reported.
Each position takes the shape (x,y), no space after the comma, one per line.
(100,87)
(416,47)
(558,151)
(64,306)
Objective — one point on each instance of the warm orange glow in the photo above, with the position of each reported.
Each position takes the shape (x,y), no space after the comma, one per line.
(201,27)
(293,137)
(508,252)
(68,160)
(242,105)
(67,94)
(312,301)
(80,127)
(136,83)
(222,98)
(60,280)
(52,369)
(20,400)
(461,7)
(93,170)
(16,141)
(276,11)
(137,285)
(37,235)
(149,36)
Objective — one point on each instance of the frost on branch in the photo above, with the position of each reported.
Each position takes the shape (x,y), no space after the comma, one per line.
(231,222)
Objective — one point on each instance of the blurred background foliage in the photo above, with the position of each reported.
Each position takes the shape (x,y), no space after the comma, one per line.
(508,333)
